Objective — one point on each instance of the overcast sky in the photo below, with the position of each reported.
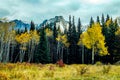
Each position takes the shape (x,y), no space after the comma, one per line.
(39,10)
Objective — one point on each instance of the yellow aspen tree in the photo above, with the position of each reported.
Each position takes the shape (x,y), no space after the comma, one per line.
(23,40)
(34,40)
(94,39)
(62,42)
(7,38)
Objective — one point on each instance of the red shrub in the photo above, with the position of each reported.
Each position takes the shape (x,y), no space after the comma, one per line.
(60,63)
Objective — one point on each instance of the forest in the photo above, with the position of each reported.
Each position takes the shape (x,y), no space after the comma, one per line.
(99,42)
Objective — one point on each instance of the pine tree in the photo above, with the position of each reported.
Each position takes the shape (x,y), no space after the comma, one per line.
(73,43)
(42,54)
(103,20)
(98,20)
(55,32)
(26,29)
(108,18)
(70,27)
(79,27)
(32,26)
(91,21)
(80,48)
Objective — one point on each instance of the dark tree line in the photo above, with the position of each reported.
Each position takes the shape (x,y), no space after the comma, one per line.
(49,50)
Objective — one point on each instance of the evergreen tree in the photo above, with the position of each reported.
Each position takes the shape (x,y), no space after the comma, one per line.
(26,29)
(73,27)
(80,48)
(32,26)
(79,26)
(42,54)
(98,20)
(91,21)
(103,20)
(70,27)
(108,17)
(55,32)
(73,43)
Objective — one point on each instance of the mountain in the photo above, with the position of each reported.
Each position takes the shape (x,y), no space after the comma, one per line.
(20,25)
(58,20)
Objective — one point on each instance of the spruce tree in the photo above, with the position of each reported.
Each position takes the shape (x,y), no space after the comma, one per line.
(91,21)
(81,47)
(98,20)
(103,19)
(32,26)
(70,27)
(79,27)
(55,32)
(73,43)
(54,47)
(108,17)
(42,55)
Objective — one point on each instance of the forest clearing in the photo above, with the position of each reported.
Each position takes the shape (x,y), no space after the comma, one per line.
(27,71)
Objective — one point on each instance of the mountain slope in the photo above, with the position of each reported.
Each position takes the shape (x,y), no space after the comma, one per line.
(58,20)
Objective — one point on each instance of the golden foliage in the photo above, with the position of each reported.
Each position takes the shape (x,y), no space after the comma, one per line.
(117,32)
(63,39)
(94,37)
(23,38)
(26,37)
(108,22)
(34,36)
(49,32)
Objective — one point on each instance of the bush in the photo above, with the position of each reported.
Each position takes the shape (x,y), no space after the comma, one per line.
(60,63)
(48,74)
(106,69)
(98,63)
(81,70)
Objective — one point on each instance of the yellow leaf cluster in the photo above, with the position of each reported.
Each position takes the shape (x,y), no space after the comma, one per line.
(23,38)
(34,36)
(117,32)
(108,22)
(63,39)
(94,37)
(49,32)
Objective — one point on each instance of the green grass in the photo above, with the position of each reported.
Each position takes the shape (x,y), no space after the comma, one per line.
(26,71)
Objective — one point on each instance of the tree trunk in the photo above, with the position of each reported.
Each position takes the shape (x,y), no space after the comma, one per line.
(1,51)
(93,54)
(82,54)
(8,51)
(61,54)
(67,56)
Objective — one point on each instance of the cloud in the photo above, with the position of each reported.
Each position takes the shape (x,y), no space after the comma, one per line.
(4,13)
(39,10)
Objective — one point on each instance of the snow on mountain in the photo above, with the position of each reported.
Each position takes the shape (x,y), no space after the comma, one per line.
(58,20)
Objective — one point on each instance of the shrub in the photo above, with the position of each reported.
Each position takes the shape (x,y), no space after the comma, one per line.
(51,67)
(60,63)
(98,63)
(81,70)
(106,69)
(48,74)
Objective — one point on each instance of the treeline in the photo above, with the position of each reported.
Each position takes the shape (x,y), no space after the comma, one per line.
(100,42)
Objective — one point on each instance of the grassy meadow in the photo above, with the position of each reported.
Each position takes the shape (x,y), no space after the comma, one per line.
(27,71)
